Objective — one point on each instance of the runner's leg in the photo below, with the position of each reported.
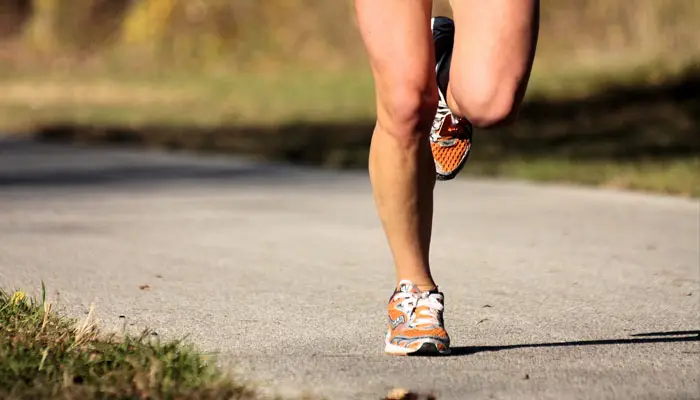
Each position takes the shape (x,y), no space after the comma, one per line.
(494,49)
(398,40)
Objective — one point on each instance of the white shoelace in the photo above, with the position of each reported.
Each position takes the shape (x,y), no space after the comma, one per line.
(443,111)
(427,304)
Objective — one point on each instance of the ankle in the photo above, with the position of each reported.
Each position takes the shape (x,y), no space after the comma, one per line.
(426,288)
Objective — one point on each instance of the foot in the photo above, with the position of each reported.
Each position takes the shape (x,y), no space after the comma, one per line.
(450,136)
(415,322)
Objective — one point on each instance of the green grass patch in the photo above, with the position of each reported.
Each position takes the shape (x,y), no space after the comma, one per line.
(177,98)
(45,356)
(180,99)
(677,177)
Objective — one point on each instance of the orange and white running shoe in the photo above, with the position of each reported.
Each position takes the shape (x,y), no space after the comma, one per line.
(450,136)
(416,326)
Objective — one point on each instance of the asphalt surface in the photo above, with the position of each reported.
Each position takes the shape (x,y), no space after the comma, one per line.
(552,292)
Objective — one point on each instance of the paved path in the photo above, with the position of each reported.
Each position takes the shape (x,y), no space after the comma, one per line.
(552,293)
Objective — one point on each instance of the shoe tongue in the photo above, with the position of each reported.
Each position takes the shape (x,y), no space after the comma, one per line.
(407,287)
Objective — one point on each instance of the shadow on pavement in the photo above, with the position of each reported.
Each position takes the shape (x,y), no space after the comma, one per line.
(24,164)
(114,175)
(665,337)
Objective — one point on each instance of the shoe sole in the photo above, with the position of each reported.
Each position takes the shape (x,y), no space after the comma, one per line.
(456,171)
(428,348)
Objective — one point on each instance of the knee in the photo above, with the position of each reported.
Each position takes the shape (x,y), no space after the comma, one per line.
(407,113)
(487,103)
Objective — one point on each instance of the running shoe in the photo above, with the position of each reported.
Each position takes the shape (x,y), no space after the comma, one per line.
(450,136)
(416,325)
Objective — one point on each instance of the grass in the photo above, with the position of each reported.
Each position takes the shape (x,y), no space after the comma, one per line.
(676,177)
(177,99)
(45,356)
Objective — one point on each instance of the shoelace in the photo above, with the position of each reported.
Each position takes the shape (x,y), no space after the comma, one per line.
(443,111)
(427,310)
(422,309)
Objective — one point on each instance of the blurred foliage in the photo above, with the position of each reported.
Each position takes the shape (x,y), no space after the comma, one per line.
(193,32)
(255,34)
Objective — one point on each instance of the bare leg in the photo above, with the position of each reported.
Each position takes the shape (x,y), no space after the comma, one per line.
(398,40)
(494,49)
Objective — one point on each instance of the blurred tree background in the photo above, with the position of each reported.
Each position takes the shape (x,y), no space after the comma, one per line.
(248,34)
(613,99)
